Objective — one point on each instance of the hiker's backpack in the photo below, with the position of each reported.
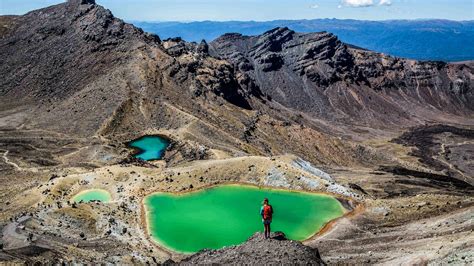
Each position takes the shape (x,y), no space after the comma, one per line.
(267,212)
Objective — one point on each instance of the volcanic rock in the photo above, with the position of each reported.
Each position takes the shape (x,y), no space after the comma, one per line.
(260,251)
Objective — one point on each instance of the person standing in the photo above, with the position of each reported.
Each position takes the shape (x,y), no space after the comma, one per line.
(266,212)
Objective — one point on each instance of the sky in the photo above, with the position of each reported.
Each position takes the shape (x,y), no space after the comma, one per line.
(264,10)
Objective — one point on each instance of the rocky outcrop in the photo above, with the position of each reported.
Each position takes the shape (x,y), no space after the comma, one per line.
(260,251)
(208,74)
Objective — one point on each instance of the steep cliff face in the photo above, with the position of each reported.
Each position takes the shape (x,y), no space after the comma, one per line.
(317,74)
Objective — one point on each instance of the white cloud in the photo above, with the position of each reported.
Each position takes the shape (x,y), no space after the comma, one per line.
(314,6)
(358,3)
(385,3)
(364,3)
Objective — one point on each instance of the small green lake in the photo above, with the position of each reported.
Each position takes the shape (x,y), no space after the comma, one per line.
(150,147)
(230,214)
(92,195)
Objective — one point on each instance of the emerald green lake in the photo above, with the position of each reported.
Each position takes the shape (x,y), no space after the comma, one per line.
(150,147)
(230,214)
(91,195)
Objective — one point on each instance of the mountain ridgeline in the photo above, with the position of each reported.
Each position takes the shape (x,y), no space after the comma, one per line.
(431,39)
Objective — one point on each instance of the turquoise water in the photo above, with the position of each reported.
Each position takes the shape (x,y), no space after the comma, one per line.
(229,214)
(91,195)
(150,147)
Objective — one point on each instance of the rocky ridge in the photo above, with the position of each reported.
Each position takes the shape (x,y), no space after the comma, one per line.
(315,73)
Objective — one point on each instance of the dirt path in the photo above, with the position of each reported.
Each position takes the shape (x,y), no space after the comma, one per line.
(450,166)
(7,161)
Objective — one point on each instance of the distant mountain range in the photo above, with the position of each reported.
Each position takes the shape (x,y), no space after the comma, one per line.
(416,39)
